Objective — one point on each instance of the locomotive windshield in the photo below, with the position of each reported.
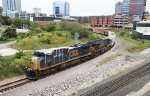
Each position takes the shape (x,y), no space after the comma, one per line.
(39,54)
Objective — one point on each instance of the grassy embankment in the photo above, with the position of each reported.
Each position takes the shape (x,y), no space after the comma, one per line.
(47,40)
(41,38)
(12,66)
(139,44)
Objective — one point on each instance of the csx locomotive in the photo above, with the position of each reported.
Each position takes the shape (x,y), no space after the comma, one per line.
(48,60)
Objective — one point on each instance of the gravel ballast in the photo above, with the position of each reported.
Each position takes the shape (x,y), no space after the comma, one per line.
(140,87)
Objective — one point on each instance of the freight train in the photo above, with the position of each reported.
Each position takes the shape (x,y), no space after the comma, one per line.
(49,60)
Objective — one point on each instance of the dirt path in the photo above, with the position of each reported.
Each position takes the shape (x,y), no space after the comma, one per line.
(7,45)
(5,49)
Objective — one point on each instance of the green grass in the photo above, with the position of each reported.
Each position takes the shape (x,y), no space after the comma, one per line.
(50,40)
(139,46)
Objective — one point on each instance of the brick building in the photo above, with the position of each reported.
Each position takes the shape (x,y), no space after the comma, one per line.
(101,21)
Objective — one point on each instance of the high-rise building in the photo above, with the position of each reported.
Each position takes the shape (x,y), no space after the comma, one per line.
(11,7)
(118,8)
(1,10)
(37,12)
(137,7)
(61,8)
(125,7)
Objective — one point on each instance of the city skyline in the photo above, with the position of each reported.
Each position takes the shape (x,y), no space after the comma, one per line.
(77,7)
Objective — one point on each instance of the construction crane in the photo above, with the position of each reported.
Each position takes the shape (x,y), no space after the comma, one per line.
(144,9)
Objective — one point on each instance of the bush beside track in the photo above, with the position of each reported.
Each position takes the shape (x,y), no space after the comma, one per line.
(12,66)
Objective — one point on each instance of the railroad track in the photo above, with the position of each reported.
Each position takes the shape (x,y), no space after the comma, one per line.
(112,86)
(13,85)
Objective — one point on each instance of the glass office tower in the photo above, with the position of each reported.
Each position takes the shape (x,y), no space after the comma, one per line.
(61,8)
(11,5)
(125,7)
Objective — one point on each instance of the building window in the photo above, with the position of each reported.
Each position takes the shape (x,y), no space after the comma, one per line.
(57,10)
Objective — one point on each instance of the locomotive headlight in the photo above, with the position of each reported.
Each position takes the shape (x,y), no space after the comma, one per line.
(29,69)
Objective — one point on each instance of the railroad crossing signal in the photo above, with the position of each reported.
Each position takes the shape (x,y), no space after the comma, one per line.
(77,35)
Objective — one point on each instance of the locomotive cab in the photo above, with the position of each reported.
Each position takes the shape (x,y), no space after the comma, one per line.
(35,64)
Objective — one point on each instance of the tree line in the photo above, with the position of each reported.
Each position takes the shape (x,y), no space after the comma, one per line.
(17,22)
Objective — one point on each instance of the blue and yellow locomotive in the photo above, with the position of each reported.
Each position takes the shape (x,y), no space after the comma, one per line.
(49,60)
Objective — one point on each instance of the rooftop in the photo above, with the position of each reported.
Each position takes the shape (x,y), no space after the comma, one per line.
(49,51)
(144,22)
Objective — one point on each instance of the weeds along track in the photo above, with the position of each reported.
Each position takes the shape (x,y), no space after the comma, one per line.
(114,85)
(14,84)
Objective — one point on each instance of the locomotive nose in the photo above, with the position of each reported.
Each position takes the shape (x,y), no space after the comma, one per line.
(32,64)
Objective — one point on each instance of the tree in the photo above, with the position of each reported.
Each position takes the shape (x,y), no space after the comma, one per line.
(18,23)
(33,25)
(70,26)
(21,23)
(26,23)
(6,20)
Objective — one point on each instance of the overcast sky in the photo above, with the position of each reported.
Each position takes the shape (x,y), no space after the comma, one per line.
(77,7)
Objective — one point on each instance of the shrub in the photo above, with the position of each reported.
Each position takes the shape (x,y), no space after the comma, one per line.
(9,33)
(44,28)
(38,30)
(122,33)
(136,35)
(51,28)
(22,35)
(19,54)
